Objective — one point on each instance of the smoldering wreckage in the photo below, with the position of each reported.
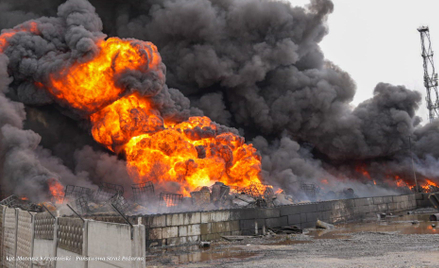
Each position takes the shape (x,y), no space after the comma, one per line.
(89,110)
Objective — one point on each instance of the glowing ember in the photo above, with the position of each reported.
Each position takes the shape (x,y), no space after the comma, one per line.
(56,190)
(362,169)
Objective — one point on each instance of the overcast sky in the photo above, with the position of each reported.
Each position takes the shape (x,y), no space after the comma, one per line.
(377,41)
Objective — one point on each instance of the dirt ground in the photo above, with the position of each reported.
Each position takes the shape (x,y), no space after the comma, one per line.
(395,241)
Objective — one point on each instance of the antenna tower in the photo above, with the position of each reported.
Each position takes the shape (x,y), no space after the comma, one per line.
(430,75)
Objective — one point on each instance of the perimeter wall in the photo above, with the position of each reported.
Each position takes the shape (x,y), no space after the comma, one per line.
(42,240)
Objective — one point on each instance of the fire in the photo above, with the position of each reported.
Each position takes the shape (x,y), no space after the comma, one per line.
(325,181)
(427,184)
(56,190)
(362,169)
(193,153)
(279,191)
(179,153)
(89,86)
(7,34)
(400,182)
(127,117)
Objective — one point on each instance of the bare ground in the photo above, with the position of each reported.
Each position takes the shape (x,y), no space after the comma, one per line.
(399,241)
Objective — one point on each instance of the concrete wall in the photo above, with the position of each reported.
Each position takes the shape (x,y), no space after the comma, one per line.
(10,237)
(192,227)
(112,245)
(44,225)
(39,240)
(29,235)
(25,233)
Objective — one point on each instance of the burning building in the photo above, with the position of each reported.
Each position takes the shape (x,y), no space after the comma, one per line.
(239,69)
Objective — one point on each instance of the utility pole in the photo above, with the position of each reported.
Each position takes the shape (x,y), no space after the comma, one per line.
(430,75)
(413,166)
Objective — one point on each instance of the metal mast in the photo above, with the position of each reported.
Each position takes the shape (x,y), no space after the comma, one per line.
(430,75)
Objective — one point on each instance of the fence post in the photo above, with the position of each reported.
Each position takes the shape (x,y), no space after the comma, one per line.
(55,241)
(85,242)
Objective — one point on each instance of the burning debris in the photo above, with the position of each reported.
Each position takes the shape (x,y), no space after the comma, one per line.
(14,201)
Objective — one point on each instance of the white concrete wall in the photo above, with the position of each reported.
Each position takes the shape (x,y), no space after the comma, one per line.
(9,237)
(67,259)
(112,244)
(43,248)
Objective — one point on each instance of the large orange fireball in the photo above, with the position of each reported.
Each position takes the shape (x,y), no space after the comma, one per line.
(193,153)
(91,85)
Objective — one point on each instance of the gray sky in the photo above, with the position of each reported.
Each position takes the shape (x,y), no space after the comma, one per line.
(377,41)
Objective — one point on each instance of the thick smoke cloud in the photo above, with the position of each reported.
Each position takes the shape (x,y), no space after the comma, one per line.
(26,168)
(253,65)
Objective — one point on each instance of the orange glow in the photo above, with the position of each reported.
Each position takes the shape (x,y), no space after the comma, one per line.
(431,228)
(179,153)
(89,86)
(24,198)
(7,34)
(325,181)
(192,153)
(56,190)
(125,118)
(362,169)
(427,184)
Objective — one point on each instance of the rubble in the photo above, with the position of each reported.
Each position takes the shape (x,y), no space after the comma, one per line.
(283,199)
(144,199)
(324,225)
(14,201)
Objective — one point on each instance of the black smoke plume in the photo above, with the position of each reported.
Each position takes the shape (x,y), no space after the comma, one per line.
(252,65)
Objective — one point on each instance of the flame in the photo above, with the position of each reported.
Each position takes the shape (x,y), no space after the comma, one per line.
(428,184)
(127,117)
(24,198)
(362,169)
(400,182)
(32,27)
(179,153)
(56,190)
(193,153)
(325,181)
(89,86)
